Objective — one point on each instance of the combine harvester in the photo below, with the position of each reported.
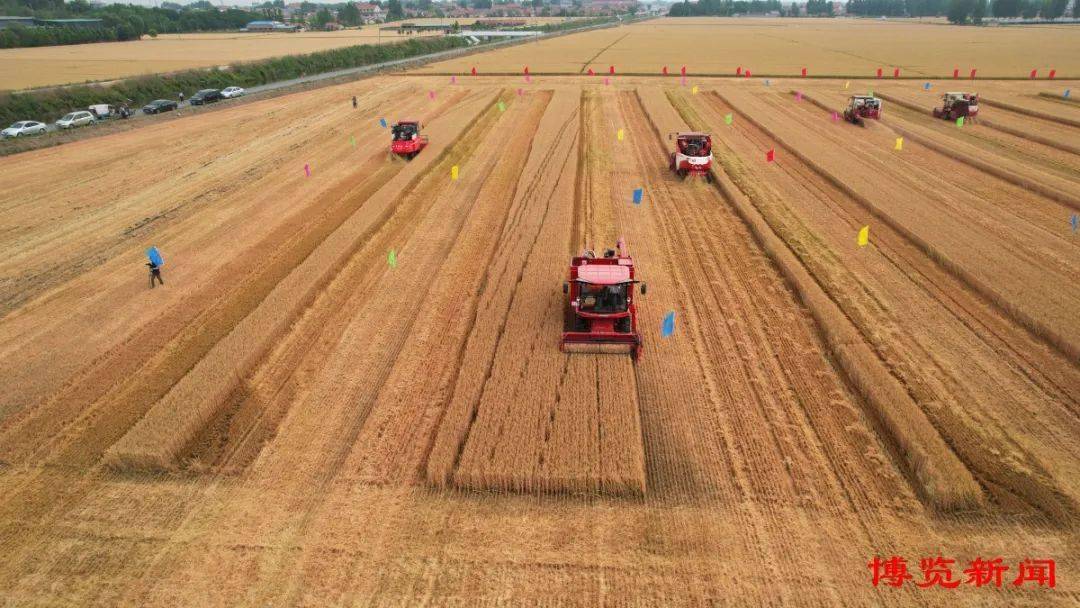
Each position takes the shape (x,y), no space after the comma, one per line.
(600,313)
(407,139)
(692,155)
(862,107)
(955,105)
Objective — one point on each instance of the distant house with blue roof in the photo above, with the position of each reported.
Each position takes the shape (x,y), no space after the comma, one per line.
(269,26)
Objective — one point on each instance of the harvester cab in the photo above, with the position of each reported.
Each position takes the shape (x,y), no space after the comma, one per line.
(861,107)
(956,105)
(692,155)
(600,313)
(407,140)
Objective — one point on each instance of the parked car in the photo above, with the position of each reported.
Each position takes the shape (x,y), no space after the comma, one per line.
(159,105)
(76,119)
(102,111)
(24,128)
(206,96)
(231,92)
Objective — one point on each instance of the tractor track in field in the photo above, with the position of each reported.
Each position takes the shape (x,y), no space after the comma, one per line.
(1051,378)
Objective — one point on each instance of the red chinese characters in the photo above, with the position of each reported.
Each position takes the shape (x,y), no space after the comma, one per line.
(940,572)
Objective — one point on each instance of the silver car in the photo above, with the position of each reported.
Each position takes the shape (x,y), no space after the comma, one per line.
(24,128)
(231,92)
(76,119)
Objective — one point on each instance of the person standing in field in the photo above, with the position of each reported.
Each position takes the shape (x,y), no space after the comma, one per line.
(155,274)
(181,96)
(354,102)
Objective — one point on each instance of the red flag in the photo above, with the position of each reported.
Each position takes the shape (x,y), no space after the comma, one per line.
(526,69)
(804,72)
(611,70)
(591,72)
(738,71)
(665,70)
(1053,73)
(879,72)
(896,73)
(682,70)
(956,73)
(474,71)
(1034,73)
(769,156)
(973,70)
(747,72)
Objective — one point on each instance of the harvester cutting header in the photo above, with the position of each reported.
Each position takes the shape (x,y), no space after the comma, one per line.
(600,313)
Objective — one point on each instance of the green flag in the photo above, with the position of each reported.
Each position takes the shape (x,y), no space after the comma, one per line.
(727,119)
(391,259)
(960,121)
(502,107)
(352,140)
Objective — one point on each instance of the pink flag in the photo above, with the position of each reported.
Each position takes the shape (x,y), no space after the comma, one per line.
(606,82)
(798,95)
(307,170)
(835,116)
(682,81)
(520,92)
(431,94)
(453,80)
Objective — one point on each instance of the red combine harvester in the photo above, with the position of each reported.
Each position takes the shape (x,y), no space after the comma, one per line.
(600,312)
(407,139)
(692,155)
(955,105)
(861,107)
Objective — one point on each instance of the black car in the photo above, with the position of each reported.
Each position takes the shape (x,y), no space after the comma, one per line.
(159,105)
(206,96)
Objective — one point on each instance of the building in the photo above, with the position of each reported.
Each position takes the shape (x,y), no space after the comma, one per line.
(10,21)
(269,26)
(370,13)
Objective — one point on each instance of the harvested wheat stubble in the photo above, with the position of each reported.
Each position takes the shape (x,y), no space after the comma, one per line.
(1032,474)
(534,436)
(962,228)
(175,421)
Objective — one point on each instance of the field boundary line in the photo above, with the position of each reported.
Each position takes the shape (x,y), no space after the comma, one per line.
(1033,113)
(1045,334)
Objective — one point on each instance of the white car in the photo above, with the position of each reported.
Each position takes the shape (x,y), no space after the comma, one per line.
(230,92)
(76,119)
(24,128)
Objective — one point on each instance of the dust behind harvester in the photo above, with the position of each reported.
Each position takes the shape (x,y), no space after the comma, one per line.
(600,313)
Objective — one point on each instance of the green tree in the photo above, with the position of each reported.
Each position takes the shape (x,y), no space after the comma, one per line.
(349,14)
(394,11)
(978,11)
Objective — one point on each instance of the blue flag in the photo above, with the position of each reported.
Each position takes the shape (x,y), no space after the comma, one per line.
(766,82)
(1066,95)
(926,87)
(1075,222)
(638,193)
(668,326)
(382,122)
(155,256)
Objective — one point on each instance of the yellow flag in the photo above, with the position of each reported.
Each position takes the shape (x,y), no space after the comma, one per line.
(453,172)
(694,90)
(619,135)
(864,236)
(847,84)
(899,143)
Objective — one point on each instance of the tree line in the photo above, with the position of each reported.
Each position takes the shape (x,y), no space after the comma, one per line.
(119,22)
